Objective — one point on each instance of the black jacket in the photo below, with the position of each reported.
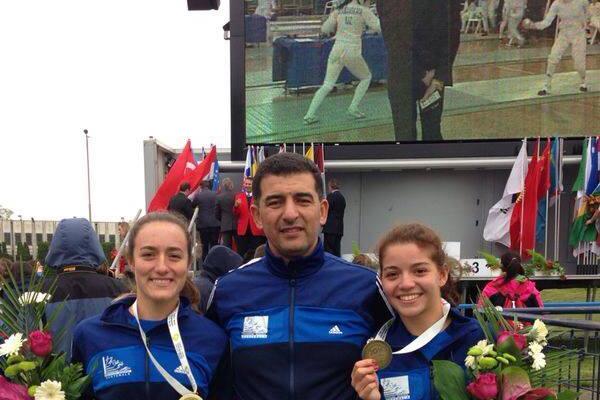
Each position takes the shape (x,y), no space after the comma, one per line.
(335,216)
(181,204)
(206,200)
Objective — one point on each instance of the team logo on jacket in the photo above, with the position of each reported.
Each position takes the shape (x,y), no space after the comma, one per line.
(396,388)
(256,327)
(335,330)
(114,368)
(180,370)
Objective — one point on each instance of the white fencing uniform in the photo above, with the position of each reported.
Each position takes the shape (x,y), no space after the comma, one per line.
(349,23)
(264,8)
(572,16)
(469,11)
(504,21)
(515,14)
(594,11)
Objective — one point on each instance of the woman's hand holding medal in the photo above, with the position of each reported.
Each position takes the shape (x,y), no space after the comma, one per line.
(364,379)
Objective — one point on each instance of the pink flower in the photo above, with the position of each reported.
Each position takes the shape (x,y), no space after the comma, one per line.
(538,394)
(484,387)
(520,340)
(12,391)
(40,343)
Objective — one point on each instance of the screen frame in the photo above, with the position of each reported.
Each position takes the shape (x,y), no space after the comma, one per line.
(356,150)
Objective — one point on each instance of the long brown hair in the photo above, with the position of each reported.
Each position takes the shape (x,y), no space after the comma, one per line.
(426,239)
(189,291)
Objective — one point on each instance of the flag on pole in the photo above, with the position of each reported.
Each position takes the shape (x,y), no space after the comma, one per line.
(216,176)
(587,175)
(497,226)
(261,155)
(249,162)
(203,170)
(254,160)
(544,184)
(524,216)
(310,154)
(175,176)
(556,167)
(320,161)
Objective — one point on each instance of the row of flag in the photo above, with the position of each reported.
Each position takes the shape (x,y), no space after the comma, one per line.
(187,169)
(518,220)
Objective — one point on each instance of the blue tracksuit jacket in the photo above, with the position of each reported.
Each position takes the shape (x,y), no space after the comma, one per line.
(296,330)
(408,377)
(112,352)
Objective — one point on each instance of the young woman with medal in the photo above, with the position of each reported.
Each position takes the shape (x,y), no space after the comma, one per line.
(152,345)
(417,283)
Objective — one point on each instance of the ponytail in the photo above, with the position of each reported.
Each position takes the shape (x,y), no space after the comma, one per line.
(511,266)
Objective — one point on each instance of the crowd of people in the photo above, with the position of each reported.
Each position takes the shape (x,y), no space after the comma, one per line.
(288,324)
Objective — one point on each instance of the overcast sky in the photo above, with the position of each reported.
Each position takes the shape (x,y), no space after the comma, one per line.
(124,70)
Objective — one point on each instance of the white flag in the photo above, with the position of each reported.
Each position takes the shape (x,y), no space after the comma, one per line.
(497,226)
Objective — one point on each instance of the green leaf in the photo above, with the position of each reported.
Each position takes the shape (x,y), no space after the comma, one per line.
(567,395)
(449,380)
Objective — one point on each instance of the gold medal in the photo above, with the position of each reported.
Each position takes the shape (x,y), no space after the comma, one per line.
(190,396)
(378,350)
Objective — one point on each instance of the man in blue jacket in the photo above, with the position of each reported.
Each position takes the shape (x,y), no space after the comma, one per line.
(297,318)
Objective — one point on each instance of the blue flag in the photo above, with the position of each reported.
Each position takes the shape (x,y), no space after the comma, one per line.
(216,177)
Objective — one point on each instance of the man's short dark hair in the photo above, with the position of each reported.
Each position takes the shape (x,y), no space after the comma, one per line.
(205,184)
(284,164)
(184,186)
(334,184)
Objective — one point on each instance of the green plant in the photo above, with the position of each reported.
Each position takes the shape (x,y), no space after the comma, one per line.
(355,249)
(23,252)
(539,263)
(492,261)
(42,251)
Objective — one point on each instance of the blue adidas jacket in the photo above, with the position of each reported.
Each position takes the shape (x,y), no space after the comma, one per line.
(408,377)
(112,352)
(296,330)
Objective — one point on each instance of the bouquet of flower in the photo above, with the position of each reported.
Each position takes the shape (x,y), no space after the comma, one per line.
(539,263)
(29,368)
(510,364)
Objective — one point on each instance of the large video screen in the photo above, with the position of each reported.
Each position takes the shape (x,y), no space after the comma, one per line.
(348,71)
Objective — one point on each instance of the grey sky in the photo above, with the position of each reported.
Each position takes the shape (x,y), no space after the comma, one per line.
(125,70)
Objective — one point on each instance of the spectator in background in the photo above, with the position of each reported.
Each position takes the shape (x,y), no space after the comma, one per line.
(224,212)
(218,261)
(249,236)
(206,222)
(75,254)
(122,229)
(366,261)
(333,230)
(180,202)
(512,289)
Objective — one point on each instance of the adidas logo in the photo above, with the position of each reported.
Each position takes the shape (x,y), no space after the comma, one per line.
(335,330)
(114,368)
(180,370)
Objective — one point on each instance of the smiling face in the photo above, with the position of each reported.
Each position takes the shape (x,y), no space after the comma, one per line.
(412,282)
(291,214)
(160,262)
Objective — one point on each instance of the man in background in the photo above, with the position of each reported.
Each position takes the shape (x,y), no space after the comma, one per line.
(206,222)
(180,202)
(249,235)
(224,212)
(333,230)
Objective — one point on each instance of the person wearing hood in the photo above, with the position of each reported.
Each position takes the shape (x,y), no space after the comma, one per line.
(219,261)
(75,254)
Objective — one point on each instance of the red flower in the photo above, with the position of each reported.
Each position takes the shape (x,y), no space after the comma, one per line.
(484,387)
(40,343)
(520,340)
(12,391)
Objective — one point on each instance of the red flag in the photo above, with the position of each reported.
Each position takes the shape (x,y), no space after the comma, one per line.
(174,178)
(320,158)
(202,170)
(544,182)
(524,216)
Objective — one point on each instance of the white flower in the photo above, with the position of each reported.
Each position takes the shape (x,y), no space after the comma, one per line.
(485,348)
(470,362)
(12,345)
(499,308)
(49,390)
(535,348)
(538,331)
(539,361)
(33,297)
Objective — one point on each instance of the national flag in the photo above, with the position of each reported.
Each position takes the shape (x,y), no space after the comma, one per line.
(216,176)
(544,183)
(524,216)
(497,226)
(320,161)
(261,155)
(203,170)
(587,175)
(175,176)
(255,161)
(249,161)
(310,153)
(556,171)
